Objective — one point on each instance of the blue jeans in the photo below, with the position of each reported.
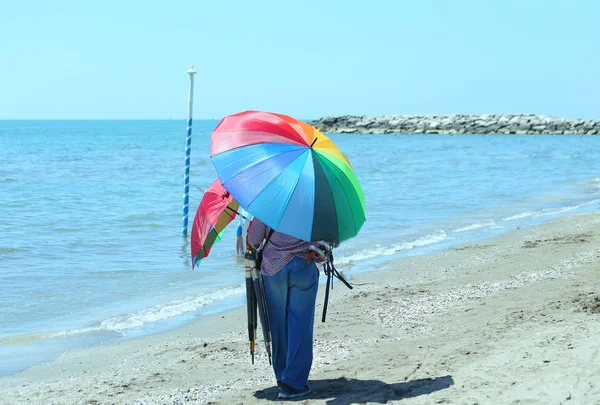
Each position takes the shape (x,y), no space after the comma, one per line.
(291,295)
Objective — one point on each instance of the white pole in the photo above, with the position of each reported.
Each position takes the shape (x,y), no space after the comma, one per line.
(188,147)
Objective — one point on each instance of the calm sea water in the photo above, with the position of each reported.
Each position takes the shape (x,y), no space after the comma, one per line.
(90,219)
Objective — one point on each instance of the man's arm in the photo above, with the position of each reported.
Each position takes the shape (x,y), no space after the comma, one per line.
(256,233)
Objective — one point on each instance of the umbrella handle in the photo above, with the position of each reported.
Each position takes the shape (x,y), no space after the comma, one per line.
(322,250)
(311,255)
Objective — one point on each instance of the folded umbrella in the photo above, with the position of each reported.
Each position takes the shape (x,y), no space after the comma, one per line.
(260,302)
(251,306)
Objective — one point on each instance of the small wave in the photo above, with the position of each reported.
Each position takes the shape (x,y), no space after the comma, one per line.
(594,183)
(131,146)
(550,211)
(122,323)
(555,211)
(519,216)
(66,230)
(377,251)
(590,202)
(574,155)
(157,313)
(144,216)
(554,197)
(8,180)
(25,338)
(489,222)
(13,250)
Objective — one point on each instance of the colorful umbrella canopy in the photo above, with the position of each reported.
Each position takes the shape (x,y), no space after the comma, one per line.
(289,175)
(216,210)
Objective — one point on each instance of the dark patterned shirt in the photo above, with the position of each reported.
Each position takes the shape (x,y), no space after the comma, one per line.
(280,249)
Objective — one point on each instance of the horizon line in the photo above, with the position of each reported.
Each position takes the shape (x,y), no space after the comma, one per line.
(302,119)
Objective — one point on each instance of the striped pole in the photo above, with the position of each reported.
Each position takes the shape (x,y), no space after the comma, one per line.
(188,147)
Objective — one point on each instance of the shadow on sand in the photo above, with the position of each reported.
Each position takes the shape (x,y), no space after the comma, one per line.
(343,391)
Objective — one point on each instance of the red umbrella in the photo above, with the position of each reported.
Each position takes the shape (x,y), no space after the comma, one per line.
(216,210)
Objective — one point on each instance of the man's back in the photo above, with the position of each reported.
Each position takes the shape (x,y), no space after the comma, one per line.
(279,250)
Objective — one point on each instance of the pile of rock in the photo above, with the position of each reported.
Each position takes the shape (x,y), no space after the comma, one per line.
(456,124)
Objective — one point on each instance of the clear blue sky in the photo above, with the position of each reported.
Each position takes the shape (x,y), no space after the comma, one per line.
(127,59)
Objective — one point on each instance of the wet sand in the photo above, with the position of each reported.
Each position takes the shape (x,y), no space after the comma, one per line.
(514,319)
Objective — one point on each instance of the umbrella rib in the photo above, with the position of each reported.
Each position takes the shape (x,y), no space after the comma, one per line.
(232,211)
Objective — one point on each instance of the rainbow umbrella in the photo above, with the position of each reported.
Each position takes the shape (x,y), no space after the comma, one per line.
(289,175)
(216,210)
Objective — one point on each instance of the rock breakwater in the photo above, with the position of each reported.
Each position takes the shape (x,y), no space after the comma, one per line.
(456,124)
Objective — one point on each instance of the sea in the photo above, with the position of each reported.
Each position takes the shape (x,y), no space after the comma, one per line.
(91,244)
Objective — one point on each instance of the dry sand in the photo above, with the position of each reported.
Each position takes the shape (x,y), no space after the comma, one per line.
(514,319)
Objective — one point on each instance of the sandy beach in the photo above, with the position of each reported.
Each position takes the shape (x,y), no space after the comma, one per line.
(514,319)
